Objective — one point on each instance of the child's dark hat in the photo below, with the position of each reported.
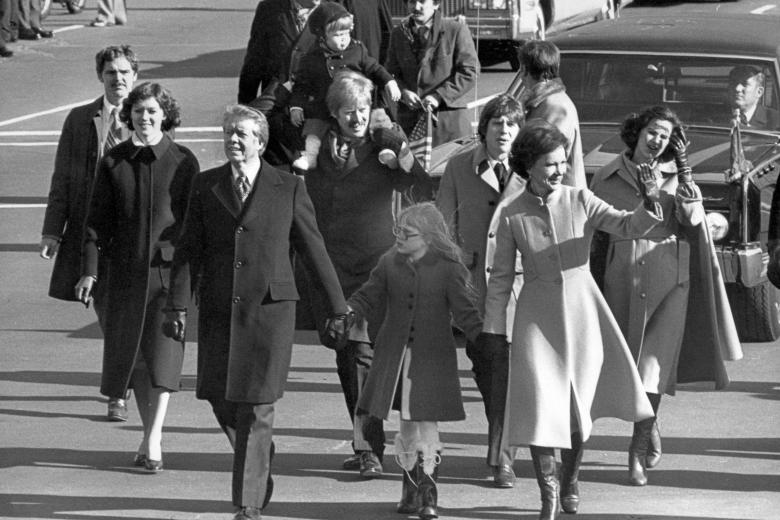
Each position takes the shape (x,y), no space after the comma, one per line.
(326,13)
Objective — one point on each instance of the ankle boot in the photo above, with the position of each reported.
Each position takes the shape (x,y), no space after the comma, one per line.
(426,487)
(546,476)
(409,503)
(637,452)
(654,448)
(570,470)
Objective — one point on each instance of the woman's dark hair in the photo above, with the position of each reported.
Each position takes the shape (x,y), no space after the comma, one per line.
(163,96)
(536,138)
(636,121)
(503,105)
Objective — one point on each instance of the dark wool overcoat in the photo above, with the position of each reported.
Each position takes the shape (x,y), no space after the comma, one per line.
(421,300)
(240,258)
(74,172)
(354,207)
(136,212)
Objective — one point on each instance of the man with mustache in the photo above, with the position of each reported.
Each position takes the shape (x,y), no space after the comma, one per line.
(88,133)
(436,66)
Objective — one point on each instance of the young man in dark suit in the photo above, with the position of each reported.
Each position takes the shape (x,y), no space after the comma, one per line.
(243,217)
(88,132)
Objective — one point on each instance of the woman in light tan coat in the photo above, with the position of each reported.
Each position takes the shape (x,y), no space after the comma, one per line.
(648,280)
(569,363)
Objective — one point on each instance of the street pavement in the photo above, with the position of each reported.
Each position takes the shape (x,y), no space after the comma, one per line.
(60,458)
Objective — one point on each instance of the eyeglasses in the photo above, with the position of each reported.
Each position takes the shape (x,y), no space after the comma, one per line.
(403,234)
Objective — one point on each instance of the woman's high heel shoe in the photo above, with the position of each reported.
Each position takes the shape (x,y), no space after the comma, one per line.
(154,466)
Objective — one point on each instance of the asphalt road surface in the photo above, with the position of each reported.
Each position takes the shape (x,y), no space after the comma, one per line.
(59,458)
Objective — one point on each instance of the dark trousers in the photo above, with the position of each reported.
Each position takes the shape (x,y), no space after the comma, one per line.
(29,14)
(492,378)
(352,365)
(249,427)
(6,15)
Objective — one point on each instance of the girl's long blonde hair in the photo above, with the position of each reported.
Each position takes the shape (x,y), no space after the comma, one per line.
(426,218)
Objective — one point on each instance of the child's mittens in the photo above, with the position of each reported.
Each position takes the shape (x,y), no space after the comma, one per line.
(394,151)
(392,91)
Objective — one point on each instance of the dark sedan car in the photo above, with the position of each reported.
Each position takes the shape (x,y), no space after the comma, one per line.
(616,67)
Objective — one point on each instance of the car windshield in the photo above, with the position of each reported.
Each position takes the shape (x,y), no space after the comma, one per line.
(606,87)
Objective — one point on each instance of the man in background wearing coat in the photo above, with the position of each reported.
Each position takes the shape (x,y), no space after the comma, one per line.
(88,133)
(544,96)
(474,183)
(436,66)
(242,219)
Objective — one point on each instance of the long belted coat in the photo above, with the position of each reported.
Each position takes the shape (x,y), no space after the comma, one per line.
(136,212)
(420,299)
(665,288)
(566,346)
(240,258)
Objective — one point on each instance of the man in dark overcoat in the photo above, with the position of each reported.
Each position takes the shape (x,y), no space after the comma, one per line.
(436,66)
(239,254)
(81,146)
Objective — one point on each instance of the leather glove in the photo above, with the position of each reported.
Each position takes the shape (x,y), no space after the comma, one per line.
(175,324)
(648,186)
(679,145)
(492,345)
(337,330)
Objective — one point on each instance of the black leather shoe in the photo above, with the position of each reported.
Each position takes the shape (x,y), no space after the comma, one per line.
(28,34)
(503,476)
(44,33)
(139,460)
(370,467)
(117,410)
(5,53)
(248,513)
(352,463)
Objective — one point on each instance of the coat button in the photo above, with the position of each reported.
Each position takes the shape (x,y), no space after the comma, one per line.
(239,264)
(491,234)
(411,295)
(236,300)
(411,307)
(488,269)
(643,295)
(637,194)
(491,203)
(547,233)
(240,229)
(642,262)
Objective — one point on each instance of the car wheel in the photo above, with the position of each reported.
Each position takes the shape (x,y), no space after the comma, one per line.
(75,6)
(45,8)
(756,311)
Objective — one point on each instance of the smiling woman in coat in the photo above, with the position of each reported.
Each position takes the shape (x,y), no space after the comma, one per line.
(569,363)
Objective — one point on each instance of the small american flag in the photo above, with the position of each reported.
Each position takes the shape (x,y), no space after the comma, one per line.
(421,138)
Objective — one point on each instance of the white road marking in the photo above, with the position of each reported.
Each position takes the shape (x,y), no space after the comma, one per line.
(69,28)
(21,206)
(763,9)
(45,112)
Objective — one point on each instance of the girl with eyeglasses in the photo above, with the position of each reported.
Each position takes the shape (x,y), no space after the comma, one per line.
(421,282)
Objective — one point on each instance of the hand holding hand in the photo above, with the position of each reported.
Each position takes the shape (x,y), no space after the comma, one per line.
(337,330)
(410,99)
(392,91)
(296,116)
(492,345)
(175,324)
(84,289)
(49,247)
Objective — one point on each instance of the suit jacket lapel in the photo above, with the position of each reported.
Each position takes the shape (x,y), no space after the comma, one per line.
(225,193)
(263,192)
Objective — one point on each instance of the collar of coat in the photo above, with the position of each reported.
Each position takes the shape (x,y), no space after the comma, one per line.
(158,149)
(429,258)
(536,95)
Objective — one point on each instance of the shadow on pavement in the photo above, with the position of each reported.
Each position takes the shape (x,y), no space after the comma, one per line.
(218,64)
